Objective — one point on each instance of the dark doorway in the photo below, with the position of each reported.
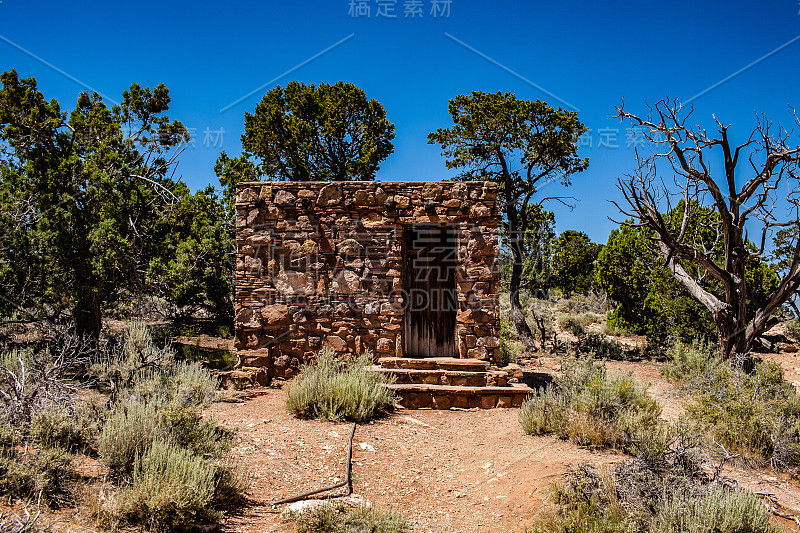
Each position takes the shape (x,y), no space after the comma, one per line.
(430,290)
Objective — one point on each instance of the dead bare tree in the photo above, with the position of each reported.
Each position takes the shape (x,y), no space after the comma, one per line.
(36,378)
(686,152)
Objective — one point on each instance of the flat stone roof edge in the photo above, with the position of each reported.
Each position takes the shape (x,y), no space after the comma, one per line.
(250,183)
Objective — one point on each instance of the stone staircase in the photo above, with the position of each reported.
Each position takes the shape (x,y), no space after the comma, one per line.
(447,382)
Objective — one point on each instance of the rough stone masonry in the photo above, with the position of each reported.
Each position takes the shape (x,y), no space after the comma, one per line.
(326,264)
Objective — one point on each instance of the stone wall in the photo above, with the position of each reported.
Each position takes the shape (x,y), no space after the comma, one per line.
(320,264)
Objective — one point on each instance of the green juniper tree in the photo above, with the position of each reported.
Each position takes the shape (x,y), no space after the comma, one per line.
(573,262)
(649,298)
(81,194)
(310,133)
(521,145)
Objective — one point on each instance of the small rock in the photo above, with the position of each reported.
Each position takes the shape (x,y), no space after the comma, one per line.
(330,195)
(285,198)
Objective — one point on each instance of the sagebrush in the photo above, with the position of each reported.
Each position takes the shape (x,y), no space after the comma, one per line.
(590,408)
(747,408)
(337,390)
(669,492)
(340,518)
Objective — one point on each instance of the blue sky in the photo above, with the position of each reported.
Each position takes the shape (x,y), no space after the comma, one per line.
(588,55)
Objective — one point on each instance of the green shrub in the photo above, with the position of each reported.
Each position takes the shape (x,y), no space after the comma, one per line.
(507,330)
(375,519)
(688,362)
(598,346)
(133,357)
(592,409)
(755,414)
(187,428)
(130,430)
(509,351)
(45,472)
(793,328)
(567,320)
(9,437)
(613,412)
(720,511)
(594,302)
(338,518)
(322,519)
(184,383)
(59,427)
(545,411)
(662,495)
(215,358)
(615,330)
(170,487)
(588,501)
(135,424)
(335,391)
(572,323)
(576,375)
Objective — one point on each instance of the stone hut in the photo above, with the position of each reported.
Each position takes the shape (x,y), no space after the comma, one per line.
(399,269)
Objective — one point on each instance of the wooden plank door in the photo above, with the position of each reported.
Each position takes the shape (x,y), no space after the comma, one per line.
(430,290)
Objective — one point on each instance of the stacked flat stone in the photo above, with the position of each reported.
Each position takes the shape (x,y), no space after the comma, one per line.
(319,264)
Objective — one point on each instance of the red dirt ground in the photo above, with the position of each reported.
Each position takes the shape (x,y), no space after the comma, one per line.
(447,471)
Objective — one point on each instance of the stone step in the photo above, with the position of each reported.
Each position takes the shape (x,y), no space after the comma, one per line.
(435,363)
(422,396)
(492,378)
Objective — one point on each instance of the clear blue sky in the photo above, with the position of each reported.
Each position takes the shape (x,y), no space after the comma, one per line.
(583,54)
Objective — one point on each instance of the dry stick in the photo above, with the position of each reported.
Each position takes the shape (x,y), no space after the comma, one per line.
(348,468)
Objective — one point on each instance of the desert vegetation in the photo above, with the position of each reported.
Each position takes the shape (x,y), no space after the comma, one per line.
(96,234)
(332,389)
(341,518)
(128,405)
(590,408)
(746,407)
(664,494)
(740,411)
